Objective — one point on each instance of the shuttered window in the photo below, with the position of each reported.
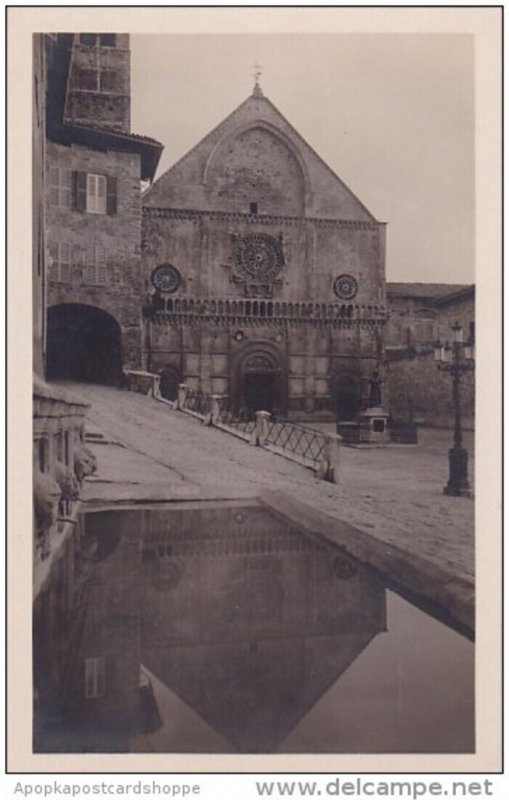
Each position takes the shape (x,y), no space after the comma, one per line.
(95,39)
(59,262)
(95,678)
(94,193)
(95,267)
(60,187)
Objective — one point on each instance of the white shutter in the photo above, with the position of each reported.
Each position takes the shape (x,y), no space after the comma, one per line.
(91,193)
(60,187)
(101,193)
(96,193)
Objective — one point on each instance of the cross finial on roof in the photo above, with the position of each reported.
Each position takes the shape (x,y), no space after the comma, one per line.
(257,90)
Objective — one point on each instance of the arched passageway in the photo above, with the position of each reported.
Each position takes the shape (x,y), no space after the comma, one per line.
(84,344)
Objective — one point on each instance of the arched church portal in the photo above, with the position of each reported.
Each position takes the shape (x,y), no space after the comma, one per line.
(84,344)
(346,397)
(261,382)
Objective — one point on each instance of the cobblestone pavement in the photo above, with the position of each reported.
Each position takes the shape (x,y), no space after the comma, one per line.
(392,493)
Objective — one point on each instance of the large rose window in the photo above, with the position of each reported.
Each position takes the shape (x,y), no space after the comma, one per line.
(259,257)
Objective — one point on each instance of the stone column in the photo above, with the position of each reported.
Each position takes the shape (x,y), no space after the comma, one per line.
(261,430)
(182,395)
(212,415)
(329,468)
(215,407)
(156,385)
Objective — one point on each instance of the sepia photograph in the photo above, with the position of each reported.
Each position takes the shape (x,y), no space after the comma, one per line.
(254,323)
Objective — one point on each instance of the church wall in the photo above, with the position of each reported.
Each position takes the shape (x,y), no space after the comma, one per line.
(203,248)
(207,357)
(416,388)
(272,267)
(191,182)
(255,167)
(196,328)
(113,284)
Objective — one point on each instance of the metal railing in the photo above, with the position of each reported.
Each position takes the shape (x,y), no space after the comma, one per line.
(197,402)
(308,444)
(239,422)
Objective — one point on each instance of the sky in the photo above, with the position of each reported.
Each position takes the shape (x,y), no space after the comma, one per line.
(391,114)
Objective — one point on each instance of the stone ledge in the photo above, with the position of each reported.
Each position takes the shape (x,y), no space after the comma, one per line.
(45,391)
(448,596)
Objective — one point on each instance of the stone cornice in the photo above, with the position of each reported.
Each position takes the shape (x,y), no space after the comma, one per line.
(258,219)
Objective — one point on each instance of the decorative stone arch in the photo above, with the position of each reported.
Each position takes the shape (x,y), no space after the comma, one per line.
(346,395)
(259,376)
(84,343)
(230,137)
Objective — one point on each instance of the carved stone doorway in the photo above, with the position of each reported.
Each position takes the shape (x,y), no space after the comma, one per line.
(261,382)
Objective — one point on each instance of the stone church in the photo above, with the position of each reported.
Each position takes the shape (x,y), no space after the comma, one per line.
(264,274)
(247,270)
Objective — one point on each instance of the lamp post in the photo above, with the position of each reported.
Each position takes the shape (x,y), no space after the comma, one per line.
(456,359)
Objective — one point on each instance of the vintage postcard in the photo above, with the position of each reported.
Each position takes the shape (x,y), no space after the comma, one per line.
(263,247)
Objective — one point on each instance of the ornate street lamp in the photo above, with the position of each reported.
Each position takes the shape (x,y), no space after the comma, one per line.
(456,359)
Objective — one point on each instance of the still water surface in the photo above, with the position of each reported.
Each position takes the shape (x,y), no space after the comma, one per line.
(221,629)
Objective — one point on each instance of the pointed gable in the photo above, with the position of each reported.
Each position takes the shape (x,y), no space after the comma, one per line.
(256,159)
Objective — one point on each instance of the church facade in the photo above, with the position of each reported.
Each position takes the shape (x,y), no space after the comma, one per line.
(264,274)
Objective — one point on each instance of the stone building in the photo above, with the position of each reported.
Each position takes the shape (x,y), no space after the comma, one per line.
(264,274)
(419,315)
(58,456)
(95,166)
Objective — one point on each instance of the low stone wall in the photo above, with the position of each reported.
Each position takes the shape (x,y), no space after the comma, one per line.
(143,382)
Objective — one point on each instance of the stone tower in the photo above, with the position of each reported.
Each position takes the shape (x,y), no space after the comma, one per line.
(94,168)
(98,89)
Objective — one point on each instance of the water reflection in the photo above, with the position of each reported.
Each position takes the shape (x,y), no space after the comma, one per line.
(220,628)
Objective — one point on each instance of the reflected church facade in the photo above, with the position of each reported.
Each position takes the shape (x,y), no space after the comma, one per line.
(214,627)
(233,610)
